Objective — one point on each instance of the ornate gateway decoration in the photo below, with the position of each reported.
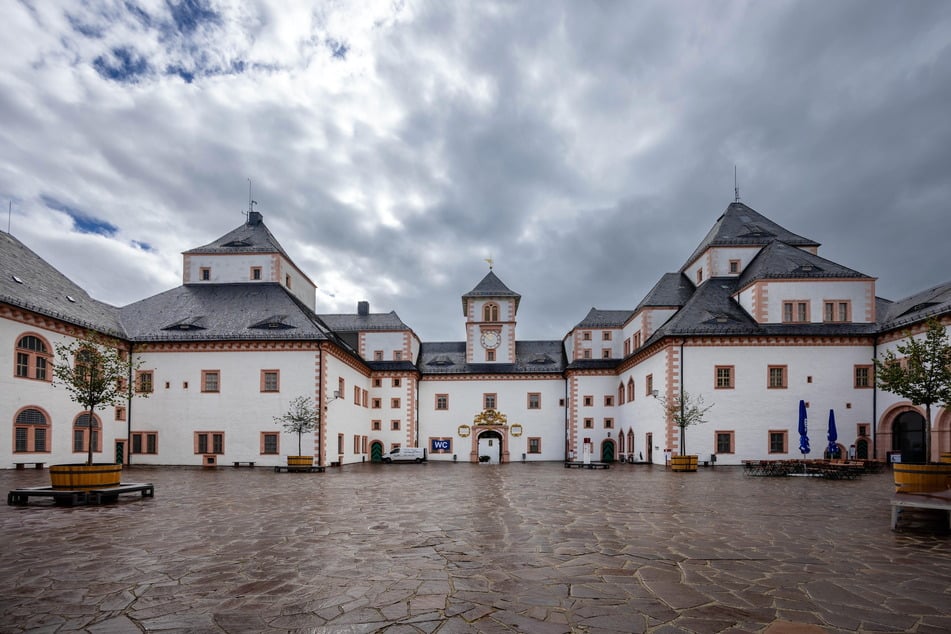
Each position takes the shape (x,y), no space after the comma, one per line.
(490,417)
(464,431)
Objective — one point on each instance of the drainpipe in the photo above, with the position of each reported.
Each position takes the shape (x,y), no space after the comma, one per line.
(682,429)
(567,409)
(128,411)
(321,408)
(875,401)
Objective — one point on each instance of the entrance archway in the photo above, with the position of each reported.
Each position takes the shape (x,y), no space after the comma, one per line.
(908,436)
(376,451)
(861,449)
(607,451)
(490,444)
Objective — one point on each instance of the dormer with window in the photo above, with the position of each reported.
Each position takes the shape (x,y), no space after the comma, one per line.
(490,310)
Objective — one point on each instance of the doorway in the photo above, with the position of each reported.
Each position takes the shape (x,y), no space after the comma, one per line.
(120,452)
(908,437)
(607,451)
(490,444)
(649,441)
(376,451)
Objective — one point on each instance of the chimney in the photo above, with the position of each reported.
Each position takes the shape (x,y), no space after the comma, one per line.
(363,308)
(254,218)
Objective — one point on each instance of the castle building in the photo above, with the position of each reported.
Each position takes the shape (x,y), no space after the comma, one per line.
(753,322)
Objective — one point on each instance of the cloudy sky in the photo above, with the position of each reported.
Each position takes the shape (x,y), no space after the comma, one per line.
(587,147)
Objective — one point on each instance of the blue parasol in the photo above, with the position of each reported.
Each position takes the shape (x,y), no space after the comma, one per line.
(803,429)
(833,435)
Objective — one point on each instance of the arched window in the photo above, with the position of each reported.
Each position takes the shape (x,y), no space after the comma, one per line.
(630,389)
(82,431)
(620,394)
(620,443)
(33,358)
(31,431)
(490,312)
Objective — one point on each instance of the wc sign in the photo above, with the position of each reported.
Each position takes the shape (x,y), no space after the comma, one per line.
(439,445)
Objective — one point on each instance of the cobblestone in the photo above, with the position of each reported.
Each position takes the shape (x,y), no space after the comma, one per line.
(474,548)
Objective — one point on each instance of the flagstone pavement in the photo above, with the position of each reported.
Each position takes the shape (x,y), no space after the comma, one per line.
(444,547)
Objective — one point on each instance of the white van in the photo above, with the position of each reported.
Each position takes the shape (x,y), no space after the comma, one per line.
(405,453)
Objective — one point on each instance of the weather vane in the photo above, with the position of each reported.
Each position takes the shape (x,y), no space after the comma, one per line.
(490,261)
(736,187)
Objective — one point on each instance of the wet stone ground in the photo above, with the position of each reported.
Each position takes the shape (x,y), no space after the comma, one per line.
(474,548)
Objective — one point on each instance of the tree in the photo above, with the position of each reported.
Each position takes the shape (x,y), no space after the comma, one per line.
(96,374)
(300,418)
(685,410)
(920,372)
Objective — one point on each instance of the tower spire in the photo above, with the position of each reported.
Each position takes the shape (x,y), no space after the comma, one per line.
(736,187)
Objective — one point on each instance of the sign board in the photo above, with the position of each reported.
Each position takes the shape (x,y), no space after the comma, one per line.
(439,444)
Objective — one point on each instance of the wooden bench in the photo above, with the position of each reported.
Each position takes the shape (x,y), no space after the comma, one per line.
(304,469)
(939,500)
(587,465)
(238,463)
(22,465)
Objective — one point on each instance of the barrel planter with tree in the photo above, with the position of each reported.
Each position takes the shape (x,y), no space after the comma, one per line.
(300,418)
(97,374)
(920,372)
(684,410)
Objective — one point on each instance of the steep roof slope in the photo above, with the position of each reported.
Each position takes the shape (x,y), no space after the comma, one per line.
(30,282)
(355,322)
(779,260)
(927,303)
(251,237)
(490,286)
(531,357)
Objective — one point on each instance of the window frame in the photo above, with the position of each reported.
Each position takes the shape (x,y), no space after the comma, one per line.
(533,401)
(732,441)
(142,439)
(217,442)
(264,381)
(206,377)
(36,361)
(27,428)
(95,431)
(141,378)
(869,376)
(441,402)
(490,400)
(785,441)
(730,377)
(537,442)
(784,377)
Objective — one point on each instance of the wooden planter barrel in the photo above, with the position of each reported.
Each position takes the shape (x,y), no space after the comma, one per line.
(922,478)
(80,477)
(945,458)
(683,463)
(300,462)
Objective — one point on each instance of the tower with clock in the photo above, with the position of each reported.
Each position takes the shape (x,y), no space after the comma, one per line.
(490,310)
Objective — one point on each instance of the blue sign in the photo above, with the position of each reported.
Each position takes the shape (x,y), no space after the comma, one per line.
(440,445)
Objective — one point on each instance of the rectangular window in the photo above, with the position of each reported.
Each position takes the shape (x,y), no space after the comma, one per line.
(606,335)
(120,413)
(442,401)
(490,355)
(270,443)
(340,443)
(376,425)
(606,353)
(586,353)
(734,266)
(489,401)
(144,381)
(209,442)
(699,276)
(144,442)
(636,340)
(395,403)
(627,347)
(255,272)
(377,355)
(356,395)
(210,381)
(724,441)
(397,382)
(376,403)
(588,401)
(377,382)
(795,311)
(397,355)
(837,311)
(776,377)
(20,439)
(724,377)
(204,273)
(534,400)
(586,335)
(356,444)
(287,283)
(778,441)
(650,384)
(341,387)
(863,376)
(534,445)
(270,380)
(609,400)
(589,423)
(609,423)
(395,425)
(365,399)
(39,439)
(23,364)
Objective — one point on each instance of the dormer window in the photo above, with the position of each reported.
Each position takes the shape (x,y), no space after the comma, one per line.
(734,266)
(255,272)
(272,322)
(190,323)
(237,243)
(204,273)
(287,281)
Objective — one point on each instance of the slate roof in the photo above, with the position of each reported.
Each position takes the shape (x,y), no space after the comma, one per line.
(490,286)
(251,237)
(222,312)
(671,291)
(743,226)
(355,322)
(779,260)
(928,303)
(44,290)
(531,357)
(597,318)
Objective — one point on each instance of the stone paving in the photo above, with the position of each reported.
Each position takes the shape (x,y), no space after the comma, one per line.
(474,548)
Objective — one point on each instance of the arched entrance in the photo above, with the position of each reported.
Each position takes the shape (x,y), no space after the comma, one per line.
(376,451)
(908,436)
(490,444)
(607,451)
(861,449)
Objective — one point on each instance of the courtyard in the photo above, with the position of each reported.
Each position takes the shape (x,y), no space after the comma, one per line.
(444,547)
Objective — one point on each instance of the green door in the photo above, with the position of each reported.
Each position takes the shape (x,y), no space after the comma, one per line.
(607,451)
(376,452)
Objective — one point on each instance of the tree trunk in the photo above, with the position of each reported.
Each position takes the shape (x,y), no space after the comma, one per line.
(927,433)
(89,450)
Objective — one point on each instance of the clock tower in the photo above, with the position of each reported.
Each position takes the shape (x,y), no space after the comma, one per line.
(490,310)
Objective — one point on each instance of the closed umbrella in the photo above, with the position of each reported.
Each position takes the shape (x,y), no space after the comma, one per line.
(803,430)
(833,436)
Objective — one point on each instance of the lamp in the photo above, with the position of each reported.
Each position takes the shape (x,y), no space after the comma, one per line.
(654,393)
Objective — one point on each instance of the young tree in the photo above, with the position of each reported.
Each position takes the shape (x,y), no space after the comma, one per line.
(685,410)
(920,372)
(300,418)
(96,374)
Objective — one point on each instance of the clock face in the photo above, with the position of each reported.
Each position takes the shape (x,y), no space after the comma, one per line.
(491,339)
